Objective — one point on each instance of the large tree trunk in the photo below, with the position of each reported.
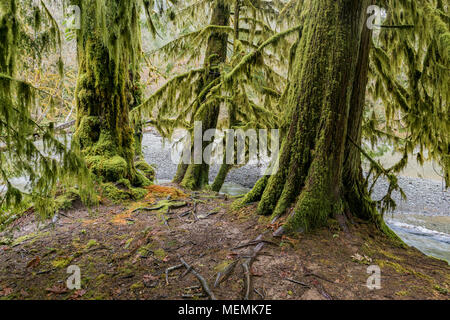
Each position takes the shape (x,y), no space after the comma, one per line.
(325,107)
(196,176)
(103,131)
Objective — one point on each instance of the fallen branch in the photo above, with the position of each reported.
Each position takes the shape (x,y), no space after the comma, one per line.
(200,278)
(193,295)
(248,278)
(212,213)
(259,294)
(194,212)
(298,282)
(171,269)
(185,273)
(317,276)
(192,288)
(184,214)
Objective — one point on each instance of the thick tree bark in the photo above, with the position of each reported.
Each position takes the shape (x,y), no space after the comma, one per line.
(318,162)
(103,131)
(355,194)
(196,176)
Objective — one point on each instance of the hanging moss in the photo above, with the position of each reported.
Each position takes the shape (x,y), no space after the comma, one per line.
(54,165)
(312,154)
(107,88)
(200,94)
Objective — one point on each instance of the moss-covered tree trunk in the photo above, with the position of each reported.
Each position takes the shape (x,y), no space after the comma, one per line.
(225,168)
(103,130)
(196,176)
(319,165)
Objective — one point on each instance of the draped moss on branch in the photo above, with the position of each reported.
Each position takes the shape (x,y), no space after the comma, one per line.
(192,95)
(28,150)
(402,67)
(410,73)
(109,52)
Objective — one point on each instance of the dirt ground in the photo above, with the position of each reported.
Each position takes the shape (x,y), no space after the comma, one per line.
(124,251)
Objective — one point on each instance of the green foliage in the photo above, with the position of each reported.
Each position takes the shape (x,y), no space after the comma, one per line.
(410,75)
(109,54)
(28,150)
(245,85)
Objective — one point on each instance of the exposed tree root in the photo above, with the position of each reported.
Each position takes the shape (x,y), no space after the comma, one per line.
(225,274)
(247,266)
(200,278)
(255,242)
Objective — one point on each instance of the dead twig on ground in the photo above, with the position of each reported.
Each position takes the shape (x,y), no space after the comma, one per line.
(310,274)
(259,294)
(298,282)
(184,214)
(200,278)
(172,269)
(193,295)
(194,211)
(212,213)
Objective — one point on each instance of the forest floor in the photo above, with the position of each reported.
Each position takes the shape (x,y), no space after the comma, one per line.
(124,252)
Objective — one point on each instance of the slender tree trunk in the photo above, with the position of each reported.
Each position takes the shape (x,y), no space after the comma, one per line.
(225,167)
(196,176)
(103,132)
(325,105)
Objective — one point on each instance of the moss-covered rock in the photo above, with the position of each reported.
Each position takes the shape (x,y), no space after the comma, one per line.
(146,169)
(122,190)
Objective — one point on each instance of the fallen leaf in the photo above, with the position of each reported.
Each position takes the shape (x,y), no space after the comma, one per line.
(77,294)
(57,289)
(6,292)
(256,273)
(149,277)
(34,263)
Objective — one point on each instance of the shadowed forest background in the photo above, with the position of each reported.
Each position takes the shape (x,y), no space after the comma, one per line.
(95,96)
